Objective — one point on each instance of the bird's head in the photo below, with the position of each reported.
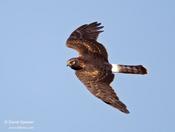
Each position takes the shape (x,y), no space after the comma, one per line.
(75,63)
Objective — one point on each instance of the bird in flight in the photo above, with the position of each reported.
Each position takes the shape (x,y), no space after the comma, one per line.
(92,66)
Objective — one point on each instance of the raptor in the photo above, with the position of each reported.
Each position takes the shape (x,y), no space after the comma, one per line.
(92,66)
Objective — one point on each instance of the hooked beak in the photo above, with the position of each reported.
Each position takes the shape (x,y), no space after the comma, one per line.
(68,63)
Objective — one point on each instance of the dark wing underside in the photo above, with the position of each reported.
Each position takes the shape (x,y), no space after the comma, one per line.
(107,94)
(84,40)
(100,87)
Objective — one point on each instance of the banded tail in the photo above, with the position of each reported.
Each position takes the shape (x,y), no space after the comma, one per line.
(129,69)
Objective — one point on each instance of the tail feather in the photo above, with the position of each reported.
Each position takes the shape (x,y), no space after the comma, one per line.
(130,69)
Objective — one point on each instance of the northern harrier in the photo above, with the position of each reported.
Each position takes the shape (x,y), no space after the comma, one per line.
(92,66)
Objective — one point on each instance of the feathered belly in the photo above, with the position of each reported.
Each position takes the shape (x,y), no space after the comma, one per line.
(95,75)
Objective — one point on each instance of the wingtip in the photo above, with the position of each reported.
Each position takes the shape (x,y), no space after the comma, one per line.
(97,24)
(125,111)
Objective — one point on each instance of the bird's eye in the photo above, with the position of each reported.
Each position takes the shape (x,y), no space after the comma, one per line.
(73,62)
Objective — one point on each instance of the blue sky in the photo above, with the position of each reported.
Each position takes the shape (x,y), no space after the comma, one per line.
(36,85)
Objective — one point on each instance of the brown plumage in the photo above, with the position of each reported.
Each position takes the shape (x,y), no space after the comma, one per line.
(92,66)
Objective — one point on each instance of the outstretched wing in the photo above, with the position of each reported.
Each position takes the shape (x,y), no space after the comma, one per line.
(87,32)
(107,94)
(84,40)
(103,90)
